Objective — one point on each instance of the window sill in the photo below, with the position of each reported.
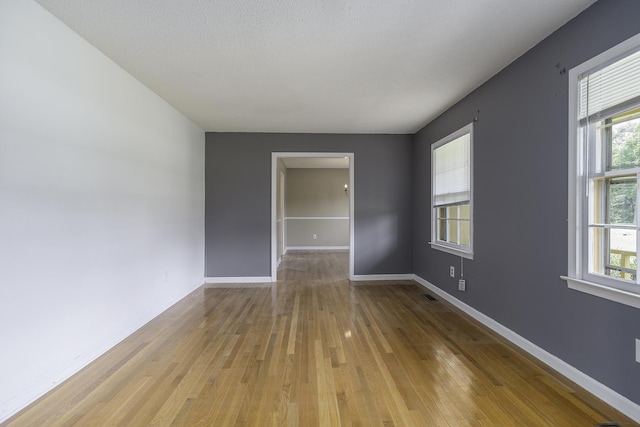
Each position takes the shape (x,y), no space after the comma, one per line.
(612,294)
(453,251)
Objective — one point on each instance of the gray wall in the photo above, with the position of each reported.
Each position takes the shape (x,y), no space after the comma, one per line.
(238,200)
(520,180)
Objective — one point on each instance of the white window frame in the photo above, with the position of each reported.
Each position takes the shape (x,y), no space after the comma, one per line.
(578,277)
(455,249)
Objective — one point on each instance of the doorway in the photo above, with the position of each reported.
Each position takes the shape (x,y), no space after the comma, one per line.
(277,198)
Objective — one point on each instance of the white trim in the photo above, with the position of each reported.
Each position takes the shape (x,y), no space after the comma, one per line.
(279,260)
(274,217)
(317,217)
(434,228)
(603,291)
(317,248)
(250,279)
(374,277)
(226,285)
(274,167)
(352,246)
(450,250)
(576,268)
(283,204)
(613,398)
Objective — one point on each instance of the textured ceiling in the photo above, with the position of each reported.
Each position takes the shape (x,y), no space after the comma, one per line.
(332,66)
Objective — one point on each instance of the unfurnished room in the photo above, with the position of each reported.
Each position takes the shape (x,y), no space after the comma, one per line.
(339,213)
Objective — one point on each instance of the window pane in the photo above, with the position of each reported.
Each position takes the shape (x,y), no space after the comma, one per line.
(442,230)
(442,212)
(597,251)
(622,254)
(453,212)
(597,211)
(453,231)
(465,233)
(465,212)
(623,136)
(621,200)
(613,253)
(454,224)
(442,224)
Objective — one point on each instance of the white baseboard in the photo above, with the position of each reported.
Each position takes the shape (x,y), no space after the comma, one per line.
(374,277)
(613,398)
(244,285)
(49,382)
(250,279)
(316,248)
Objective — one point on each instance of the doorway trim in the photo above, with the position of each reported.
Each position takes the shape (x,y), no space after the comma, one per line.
(275,156)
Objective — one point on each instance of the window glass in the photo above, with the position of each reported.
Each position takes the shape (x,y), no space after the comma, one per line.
(452,226)
(604,167)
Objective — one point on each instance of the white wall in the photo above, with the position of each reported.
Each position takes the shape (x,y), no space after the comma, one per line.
(101,204)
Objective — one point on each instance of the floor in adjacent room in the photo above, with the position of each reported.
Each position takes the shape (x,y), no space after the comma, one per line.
(314,349)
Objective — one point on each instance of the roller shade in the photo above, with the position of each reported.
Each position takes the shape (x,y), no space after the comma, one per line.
(452,171)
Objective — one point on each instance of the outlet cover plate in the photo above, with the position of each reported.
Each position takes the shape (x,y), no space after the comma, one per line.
(452,271)
(637,350)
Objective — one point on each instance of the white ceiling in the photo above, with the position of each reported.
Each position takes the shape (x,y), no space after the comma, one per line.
(332,66)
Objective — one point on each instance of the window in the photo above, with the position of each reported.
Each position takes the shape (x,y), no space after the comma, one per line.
(604,166)
(452,193)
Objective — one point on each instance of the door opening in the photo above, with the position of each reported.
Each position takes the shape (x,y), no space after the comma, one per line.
(278,214)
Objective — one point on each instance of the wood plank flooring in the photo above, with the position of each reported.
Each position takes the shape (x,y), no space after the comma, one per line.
(315,350)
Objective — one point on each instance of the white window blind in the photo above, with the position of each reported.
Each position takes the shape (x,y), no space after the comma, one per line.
(603,91)
(452,172)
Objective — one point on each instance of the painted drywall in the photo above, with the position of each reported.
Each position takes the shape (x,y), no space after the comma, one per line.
(102,204)
(520,186)
(330,233)
(238,178)
(317,205)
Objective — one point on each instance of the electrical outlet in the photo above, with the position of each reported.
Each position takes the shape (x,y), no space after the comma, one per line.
(452,271)
(315,236)
(462,285)
(637,350)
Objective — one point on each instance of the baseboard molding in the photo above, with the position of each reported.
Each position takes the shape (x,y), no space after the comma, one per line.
(316,248)
(244,285)
(49,382)
(376,277)
(613,398)
(250,279)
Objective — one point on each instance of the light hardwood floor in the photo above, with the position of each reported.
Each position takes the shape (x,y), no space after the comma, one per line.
(316,350)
